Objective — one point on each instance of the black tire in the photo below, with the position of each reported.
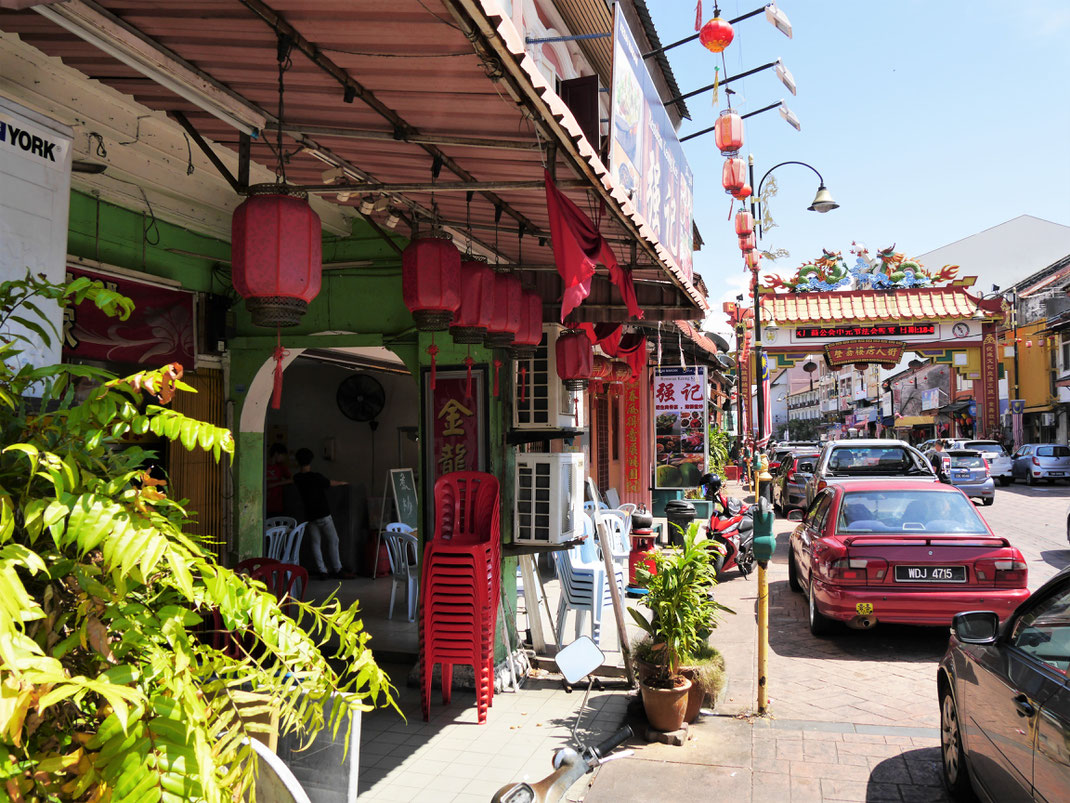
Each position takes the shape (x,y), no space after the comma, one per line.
(989,501)
(1030,479)
(1003,481)
(953,757)
(745,562)
(718,564)
(793,570)
(820,625)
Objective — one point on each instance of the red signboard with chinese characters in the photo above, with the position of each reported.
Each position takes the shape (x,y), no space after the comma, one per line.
(888,352)
(159,330)
(866,330)
(679,427)
(632,441)
(989,382)
(455,422)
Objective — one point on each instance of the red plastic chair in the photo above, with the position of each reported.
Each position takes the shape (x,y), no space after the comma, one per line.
(250,565)
(283,580)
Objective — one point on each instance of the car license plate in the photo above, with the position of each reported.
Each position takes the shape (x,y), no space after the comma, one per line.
(930,574)
(962,475)
(1055,473)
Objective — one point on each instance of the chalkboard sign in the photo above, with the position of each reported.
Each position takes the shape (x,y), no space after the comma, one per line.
(403,487)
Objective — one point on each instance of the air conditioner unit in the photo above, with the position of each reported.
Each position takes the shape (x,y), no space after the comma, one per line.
(546,403)
(549,497)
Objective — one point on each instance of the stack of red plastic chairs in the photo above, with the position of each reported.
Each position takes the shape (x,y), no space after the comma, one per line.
(460,585)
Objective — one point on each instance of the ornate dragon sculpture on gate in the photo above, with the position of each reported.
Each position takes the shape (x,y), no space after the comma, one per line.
(889,270)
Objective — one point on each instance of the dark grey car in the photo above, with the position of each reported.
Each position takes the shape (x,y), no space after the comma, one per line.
(789,483)
(1005,700)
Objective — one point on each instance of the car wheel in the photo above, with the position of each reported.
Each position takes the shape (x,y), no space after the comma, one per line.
(1030,479)
(989,500)
(956,773)
(1003,481)
(820,625)
(793,570)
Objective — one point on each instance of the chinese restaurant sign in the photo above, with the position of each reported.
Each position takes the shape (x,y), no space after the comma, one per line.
(455,423)
(645,155)
(679,427)
(886,352)
(989,382)
(631,437)
(158,331)
(862,330)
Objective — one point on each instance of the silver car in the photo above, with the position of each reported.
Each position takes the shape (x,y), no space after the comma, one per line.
(1000,463)
(968,471)
(1041,461)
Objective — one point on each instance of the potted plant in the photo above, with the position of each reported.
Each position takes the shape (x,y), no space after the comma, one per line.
(682,613)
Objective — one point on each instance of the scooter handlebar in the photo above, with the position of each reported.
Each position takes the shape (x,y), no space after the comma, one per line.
(613,742)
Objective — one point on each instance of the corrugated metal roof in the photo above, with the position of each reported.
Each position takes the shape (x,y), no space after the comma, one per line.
(929,303)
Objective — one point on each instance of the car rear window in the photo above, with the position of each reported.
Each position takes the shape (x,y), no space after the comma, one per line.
(987,448)
(1053,451)
(967,461)
(916,511)
(847,461)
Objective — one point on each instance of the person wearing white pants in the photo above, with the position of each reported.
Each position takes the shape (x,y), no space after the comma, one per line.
(321,530)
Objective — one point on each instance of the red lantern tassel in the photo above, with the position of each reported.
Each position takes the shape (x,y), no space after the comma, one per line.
(698,16)
(497,365)
(433,351)
(523,380)
(279,355)
(468,387)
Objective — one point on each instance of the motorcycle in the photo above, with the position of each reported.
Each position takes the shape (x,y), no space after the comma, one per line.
(733,532)
(575,661)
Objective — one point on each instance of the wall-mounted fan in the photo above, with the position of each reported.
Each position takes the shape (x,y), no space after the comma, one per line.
(361,397)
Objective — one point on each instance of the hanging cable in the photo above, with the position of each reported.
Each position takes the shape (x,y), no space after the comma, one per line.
(282,55)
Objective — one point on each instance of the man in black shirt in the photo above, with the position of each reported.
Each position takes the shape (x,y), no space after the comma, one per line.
(313,489)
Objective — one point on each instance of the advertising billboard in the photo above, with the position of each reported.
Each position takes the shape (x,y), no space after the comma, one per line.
(680,420)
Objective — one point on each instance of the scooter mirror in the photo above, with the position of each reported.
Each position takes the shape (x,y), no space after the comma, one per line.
(579,659)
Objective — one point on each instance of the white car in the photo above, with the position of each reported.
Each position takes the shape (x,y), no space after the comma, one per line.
(1000,463)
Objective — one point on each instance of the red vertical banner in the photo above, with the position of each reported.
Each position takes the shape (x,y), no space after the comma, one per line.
(631,437)
(455,422)
(989,382)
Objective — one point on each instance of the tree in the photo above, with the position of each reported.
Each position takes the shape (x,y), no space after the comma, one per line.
(110,686)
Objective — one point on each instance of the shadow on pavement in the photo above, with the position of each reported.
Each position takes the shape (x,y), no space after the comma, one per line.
(1019,488)
(916,774)
(1059,558)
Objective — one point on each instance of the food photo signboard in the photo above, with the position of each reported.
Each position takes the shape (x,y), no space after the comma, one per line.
(680,437)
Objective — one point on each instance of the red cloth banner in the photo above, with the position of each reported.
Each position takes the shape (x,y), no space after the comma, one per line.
(159,330)
(578,246)
(631,438)
(456,426)
(611,339)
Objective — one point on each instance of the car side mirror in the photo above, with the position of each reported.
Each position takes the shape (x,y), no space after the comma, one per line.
(976,627)
(795,515)
(806,468)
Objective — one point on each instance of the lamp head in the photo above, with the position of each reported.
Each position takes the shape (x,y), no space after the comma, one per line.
(823,201)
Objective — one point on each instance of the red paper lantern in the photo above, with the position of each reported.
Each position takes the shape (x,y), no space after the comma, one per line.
(733,175)
(276,254)
(575,358)
(728,133)
(621,372)
(472,319)
(746,243)
(743,193)
(506,313)
(744,222)
(431,280)
(753,259)
(601,368)
(716,35)
(529,336)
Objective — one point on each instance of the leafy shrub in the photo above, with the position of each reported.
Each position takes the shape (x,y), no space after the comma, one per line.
(110,688)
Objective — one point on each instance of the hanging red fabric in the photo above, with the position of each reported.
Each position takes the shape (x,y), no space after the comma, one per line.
(279,355)
(497,365)
(606,335)
(698,16)
(433,351)
(578,245)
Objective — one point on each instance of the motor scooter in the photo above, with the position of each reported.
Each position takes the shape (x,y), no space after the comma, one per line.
(733,532)
(575,661)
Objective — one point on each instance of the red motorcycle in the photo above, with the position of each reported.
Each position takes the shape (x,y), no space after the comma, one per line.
(732,528)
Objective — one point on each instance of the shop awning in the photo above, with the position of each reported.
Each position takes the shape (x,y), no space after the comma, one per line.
(955,407)
(908,421)
(378,95)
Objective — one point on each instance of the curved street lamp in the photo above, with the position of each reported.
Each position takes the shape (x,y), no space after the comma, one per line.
(823,202)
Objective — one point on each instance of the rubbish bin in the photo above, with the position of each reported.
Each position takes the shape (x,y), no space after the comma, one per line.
(679,513)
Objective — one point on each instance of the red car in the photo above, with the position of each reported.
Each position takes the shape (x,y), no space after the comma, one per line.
(908,551)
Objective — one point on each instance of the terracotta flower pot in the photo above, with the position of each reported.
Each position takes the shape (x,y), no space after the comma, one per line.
(696,695)
(665,708)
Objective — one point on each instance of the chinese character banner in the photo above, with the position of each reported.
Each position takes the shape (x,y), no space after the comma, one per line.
(680,422)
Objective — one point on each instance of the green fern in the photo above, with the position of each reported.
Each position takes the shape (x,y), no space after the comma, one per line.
(110,689)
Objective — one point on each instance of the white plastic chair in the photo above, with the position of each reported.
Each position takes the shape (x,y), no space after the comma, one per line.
(291,544)
(403,549)
(612,528)
(274,541)
(280,521)
(583,584)
(612,498)
(628,508)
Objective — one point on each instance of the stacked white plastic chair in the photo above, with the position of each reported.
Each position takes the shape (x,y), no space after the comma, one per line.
(583,584)
(403,549)
(613,529)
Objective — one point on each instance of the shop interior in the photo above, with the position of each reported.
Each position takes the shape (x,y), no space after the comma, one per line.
(357,410)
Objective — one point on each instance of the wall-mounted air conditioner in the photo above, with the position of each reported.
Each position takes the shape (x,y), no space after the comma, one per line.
(545,402)
(549,497)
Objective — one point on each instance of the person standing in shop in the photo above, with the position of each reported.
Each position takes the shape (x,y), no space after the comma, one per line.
(278,475)
(322,533)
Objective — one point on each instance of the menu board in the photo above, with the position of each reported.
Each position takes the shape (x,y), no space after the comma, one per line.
(680,427)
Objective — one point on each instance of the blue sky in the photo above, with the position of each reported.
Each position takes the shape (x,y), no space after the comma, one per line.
(930,121)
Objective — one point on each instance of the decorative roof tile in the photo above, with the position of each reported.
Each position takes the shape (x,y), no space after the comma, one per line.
(928,303)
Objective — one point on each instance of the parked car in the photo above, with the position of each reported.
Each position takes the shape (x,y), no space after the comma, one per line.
(969,471)
(867,458)
(789,483)
(1005,702)
(999,462)
(906,551)
(1041,461)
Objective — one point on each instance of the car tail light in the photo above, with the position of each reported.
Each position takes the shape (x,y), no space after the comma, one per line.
(856,570)
(988,471)
(1007,572)
(1036,461)
(791,471)
(822,485)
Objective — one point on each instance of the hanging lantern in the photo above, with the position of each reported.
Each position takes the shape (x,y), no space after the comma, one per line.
(744,222)
(575,358)
(601,368)
(529,336)
(716,35)
(506,312)
(743,193)
(431,280)
(728,133)
(276,254)
(733,175)
(746,242)
(472,318)
(753,259)
(861,366)
(621,372)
